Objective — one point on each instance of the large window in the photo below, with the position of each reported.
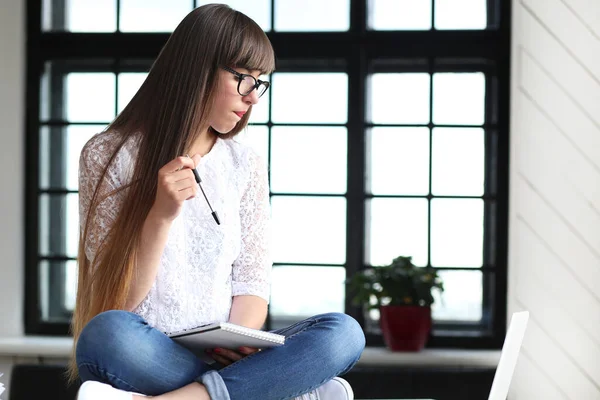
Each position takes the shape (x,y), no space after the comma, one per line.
(386,131)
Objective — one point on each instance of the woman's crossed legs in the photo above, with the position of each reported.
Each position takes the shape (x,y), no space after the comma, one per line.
(121,349)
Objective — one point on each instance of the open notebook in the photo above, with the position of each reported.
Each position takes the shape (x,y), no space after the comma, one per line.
(226,335)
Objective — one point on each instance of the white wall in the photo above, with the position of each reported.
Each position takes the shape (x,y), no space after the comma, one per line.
(12,135)
(554,261)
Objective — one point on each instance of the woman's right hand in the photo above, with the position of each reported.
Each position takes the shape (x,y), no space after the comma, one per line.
(176,184)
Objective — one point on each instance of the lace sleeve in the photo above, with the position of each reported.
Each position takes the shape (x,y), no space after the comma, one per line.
(93,158)
(252,268)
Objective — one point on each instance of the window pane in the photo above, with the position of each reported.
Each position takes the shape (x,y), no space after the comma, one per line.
(298,166)
(310,97)
(289,302)
(129,84)
(399,14)
(258,10)
(460,14)
(399,161)
(47,15)
(58,286)
(44,158)
(396,227)
(462,298)
(45,101)
(399,98)
(458,161)
(309,229)
(81,15)
(312,15)
(59,224)
(260,111)
(257,137)
(70,284)
(152,15)
(457,233)
(68,141)
(459,98)
(91,15)
(44,226)
(90,97)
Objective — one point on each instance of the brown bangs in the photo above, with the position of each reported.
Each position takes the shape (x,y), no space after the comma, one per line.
(252,49)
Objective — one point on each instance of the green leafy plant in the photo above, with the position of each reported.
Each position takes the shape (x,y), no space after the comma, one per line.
(399,283)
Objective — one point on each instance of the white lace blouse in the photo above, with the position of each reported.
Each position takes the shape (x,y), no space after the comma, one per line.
(203,264)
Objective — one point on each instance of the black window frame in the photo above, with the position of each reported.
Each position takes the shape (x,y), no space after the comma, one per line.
(358,52)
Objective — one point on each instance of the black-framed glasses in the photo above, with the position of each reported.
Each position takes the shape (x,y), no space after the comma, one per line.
(247,83)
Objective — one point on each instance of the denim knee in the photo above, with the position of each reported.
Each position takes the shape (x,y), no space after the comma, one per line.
(122,349)
(344,343)
(109,334)
(352,335)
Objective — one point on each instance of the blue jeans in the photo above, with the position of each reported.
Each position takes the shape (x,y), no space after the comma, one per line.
(121,349)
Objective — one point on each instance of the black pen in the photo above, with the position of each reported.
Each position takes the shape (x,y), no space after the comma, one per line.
(198,180)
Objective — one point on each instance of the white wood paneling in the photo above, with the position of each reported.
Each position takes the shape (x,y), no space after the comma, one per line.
(588,12)
(566,28)
(554,217)
(546,270)
(580,86)
(529,382)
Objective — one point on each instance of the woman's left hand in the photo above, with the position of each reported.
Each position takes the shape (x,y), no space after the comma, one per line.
(228,356)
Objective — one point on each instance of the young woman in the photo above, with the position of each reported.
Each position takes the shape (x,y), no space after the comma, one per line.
(152,257)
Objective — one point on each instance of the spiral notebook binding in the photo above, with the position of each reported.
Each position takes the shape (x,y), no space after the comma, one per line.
(271,337)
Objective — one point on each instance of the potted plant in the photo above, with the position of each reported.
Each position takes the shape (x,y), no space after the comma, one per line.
(403,293)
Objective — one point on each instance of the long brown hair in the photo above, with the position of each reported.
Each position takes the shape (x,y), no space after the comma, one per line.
(168,113)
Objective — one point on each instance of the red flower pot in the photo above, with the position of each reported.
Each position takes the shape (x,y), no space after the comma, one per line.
(405,328)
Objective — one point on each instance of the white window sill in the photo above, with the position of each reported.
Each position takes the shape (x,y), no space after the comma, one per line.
(36,346)
(378,357)
(60,347)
